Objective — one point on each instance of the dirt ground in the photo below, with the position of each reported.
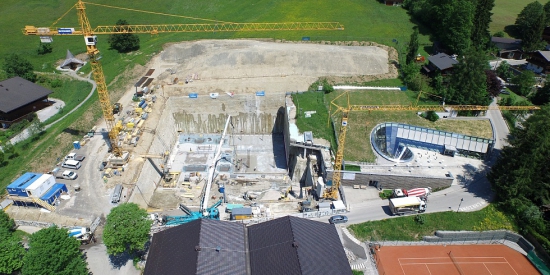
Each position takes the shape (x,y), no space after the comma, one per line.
(246,66)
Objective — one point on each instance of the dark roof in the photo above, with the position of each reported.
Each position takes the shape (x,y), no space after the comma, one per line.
(199,247)
(291,245)
(495,39)
(545,55)
(442,61)
(17,92)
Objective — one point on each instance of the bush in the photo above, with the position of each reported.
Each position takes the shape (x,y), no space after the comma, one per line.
(385,194)
(56,83)
(44,48)
(432,116)
(420,219)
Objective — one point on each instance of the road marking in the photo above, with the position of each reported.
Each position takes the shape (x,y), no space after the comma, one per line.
(473,207)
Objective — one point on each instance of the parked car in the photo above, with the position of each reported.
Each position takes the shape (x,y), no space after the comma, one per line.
(338,219)
(69,175)
(71,164)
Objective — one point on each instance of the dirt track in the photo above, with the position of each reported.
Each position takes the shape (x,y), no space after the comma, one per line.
(245,66)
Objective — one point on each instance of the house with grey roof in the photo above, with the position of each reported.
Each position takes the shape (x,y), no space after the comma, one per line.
(287,245)
(441,62)
(20,99)
(508,48)
(539,62)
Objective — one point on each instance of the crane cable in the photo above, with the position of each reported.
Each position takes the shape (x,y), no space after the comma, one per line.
(158,13)
(58,19)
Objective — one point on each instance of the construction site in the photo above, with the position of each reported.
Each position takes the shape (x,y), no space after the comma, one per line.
(232,115)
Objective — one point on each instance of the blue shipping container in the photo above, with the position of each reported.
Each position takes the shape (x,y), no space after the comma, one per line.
(54,193)
(17,188)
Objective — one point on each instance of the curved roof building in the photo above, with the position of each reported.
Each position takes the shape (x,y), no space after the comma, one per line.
(392,141)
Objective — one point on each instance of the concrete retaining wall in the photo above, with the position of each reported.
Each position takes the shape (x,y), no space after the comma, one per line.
(389,181)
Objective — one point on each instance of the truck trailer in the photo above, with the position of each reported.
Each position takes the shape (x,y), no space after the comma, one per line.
(407,205)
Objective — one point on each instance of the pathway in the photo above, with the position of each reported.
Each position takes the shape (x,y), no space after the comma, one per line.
(26,134)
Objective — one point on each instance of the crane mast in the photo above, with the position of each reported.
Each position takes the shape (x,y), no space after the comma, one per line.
(99,77)
(90,39)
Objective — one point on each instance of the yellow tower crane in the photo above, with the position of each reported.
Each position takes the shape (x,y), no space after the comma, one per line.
(332,192)
(90,40)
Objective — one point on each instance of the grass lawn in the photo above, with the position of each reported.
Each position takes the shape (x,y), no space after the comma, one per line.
(367,20)
(505,13)
(407,229)
(360,124)
(72,92)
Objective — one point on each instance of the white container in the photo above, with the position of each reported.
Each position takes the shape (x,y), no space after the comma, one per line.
(40,186)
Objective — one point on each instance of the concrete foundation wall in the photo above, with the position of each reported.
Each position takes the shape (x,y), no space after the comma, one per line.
(245,123)
(389,181)
(250,114)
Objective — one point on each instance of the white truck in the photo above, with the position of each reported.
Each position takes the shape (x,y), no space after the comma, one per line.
(407,205)
(75,156)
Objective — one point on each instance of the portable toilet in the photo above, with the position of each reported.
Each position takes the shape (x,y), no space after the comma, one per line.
(76,145)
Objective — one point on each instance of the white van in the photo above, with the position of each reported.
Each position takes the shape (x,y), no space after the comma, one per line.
(71,164)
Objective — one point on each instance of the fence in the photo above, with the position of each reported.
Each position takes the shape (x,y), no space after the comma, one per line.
(504,237)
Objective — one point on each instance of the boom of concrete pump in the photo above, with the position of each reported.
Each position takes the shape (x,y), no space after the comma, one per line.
(90,40)
(211,212)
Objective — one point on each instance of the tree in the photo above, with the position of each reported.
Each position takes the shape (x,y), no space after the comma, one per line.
(126,229)
(411,76)
(547,13)
(44,48)
(504,72)
(494,86)
(6,222)
(438,84)
(52,251)
(525,82)
(482,19)
(11,252)
(468,83)
(412,49)
(455,18)
(15,65)
(521,173)
(125,42)
(542,96)
(530,23)
(35,128)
